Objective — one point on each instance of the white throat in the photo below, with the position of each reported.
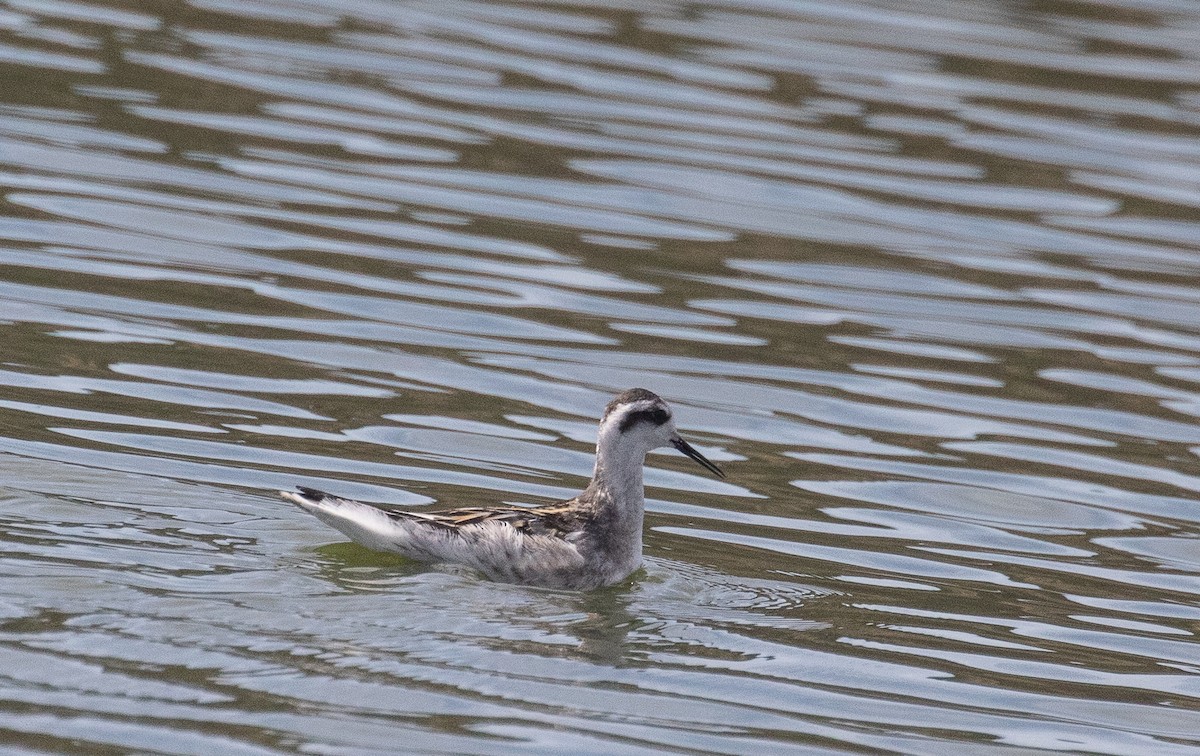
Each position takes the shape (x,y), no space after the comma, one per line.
(618,471)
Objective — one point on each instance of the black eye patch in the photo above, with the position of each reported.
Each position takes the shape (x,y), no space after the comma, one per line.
(658,416)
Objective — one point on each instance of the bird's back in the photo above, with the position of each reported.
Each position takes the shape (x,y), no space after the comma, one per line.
(550,546)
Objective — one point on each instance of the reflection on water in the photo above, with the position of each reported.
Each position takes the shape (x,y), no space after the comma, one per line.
(924,278)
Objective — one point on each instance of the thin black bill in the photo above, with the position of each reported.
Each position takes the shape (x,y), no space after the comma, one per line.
(689,450)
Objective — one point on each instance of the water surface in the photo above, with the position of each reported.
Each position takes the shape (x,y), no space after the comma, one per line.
(922,279)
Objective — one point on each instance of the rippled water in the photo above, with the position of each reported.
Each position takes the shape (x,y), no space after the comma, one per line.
(922,277)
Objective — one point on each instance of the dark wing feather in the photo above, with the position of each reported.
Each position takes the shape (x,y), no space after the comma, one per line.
(554,519)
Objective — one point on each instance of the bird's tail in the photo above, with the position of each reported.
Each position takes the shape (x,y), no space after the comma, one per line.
(364,524)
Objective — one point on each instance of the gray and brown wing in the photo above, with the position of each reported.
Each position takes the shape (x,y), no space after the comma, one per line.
(510,543)
(552,520)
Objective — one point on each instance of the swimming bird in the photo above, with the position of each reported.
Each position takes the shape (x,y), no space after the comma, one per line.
(590,541)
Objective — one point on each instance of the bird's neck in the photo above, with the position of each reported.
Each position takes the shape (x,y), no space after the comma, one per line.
(620,477)
(618,494)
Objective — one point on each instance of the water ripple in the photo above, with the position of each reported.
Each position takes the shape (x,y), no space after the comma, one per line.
(922,279)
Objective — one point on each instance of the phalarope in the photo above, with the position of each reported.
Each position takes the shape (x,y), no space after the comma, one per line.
(590,541)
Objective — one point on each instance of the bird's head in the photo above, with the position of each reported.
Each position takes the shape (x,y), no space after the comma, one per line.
(640,420)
